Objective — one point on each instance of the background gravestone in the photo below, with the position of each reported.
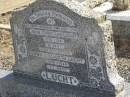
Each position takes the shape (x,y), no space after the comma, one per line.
(60,44)
(121,38)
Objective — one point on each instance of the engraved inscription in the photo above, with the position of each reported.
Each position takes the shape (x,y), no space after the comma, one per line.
(54,45)
(58,63)
(58,68)
(50,21)
(56,40)
(53,14)
(93,60)
(58,47)
(57,57)
(21,44)
(22,50)
(53,28)
(54,33)
(60,78)
(55,51)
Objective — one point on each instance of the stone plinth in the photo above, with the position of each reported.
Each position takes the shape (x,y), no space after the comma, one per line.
(14,86)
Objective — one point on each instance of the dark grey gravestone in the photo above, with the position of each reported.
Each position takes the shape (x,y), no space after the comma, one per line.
(10,86)
(122,38)
(121,28)
(57,45)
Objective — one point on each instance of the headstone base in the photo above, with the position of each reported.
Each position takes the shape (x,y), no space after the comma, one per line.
(13,86)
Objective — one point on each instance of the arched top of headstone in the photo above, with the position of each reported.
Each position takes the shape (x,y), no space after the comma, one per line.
(51,14)
(76,6)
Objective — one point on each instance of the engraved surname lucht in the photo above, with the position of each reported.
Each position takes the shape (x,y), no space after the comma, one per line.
(60,78)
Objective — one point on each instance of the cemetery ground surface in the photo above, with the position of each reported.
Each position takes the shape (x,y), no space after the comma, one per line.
(6,48)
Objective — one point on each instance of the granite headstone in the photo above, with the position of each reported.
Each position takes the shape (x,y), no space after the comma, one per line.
(121,37)
(55,44)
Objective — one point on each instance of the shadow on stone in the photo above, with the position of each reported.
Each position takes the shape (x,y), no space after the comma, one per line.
(18,86)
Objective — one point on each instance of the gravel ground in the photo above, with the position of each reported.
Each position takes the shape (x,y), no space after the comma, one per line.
(6,48)
(123,66)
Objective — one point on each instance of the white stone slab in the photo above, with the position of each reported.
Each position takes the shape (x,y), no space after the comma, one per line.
(10,5)
(104,7)
(127,90)
(4,73)
(119,15)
